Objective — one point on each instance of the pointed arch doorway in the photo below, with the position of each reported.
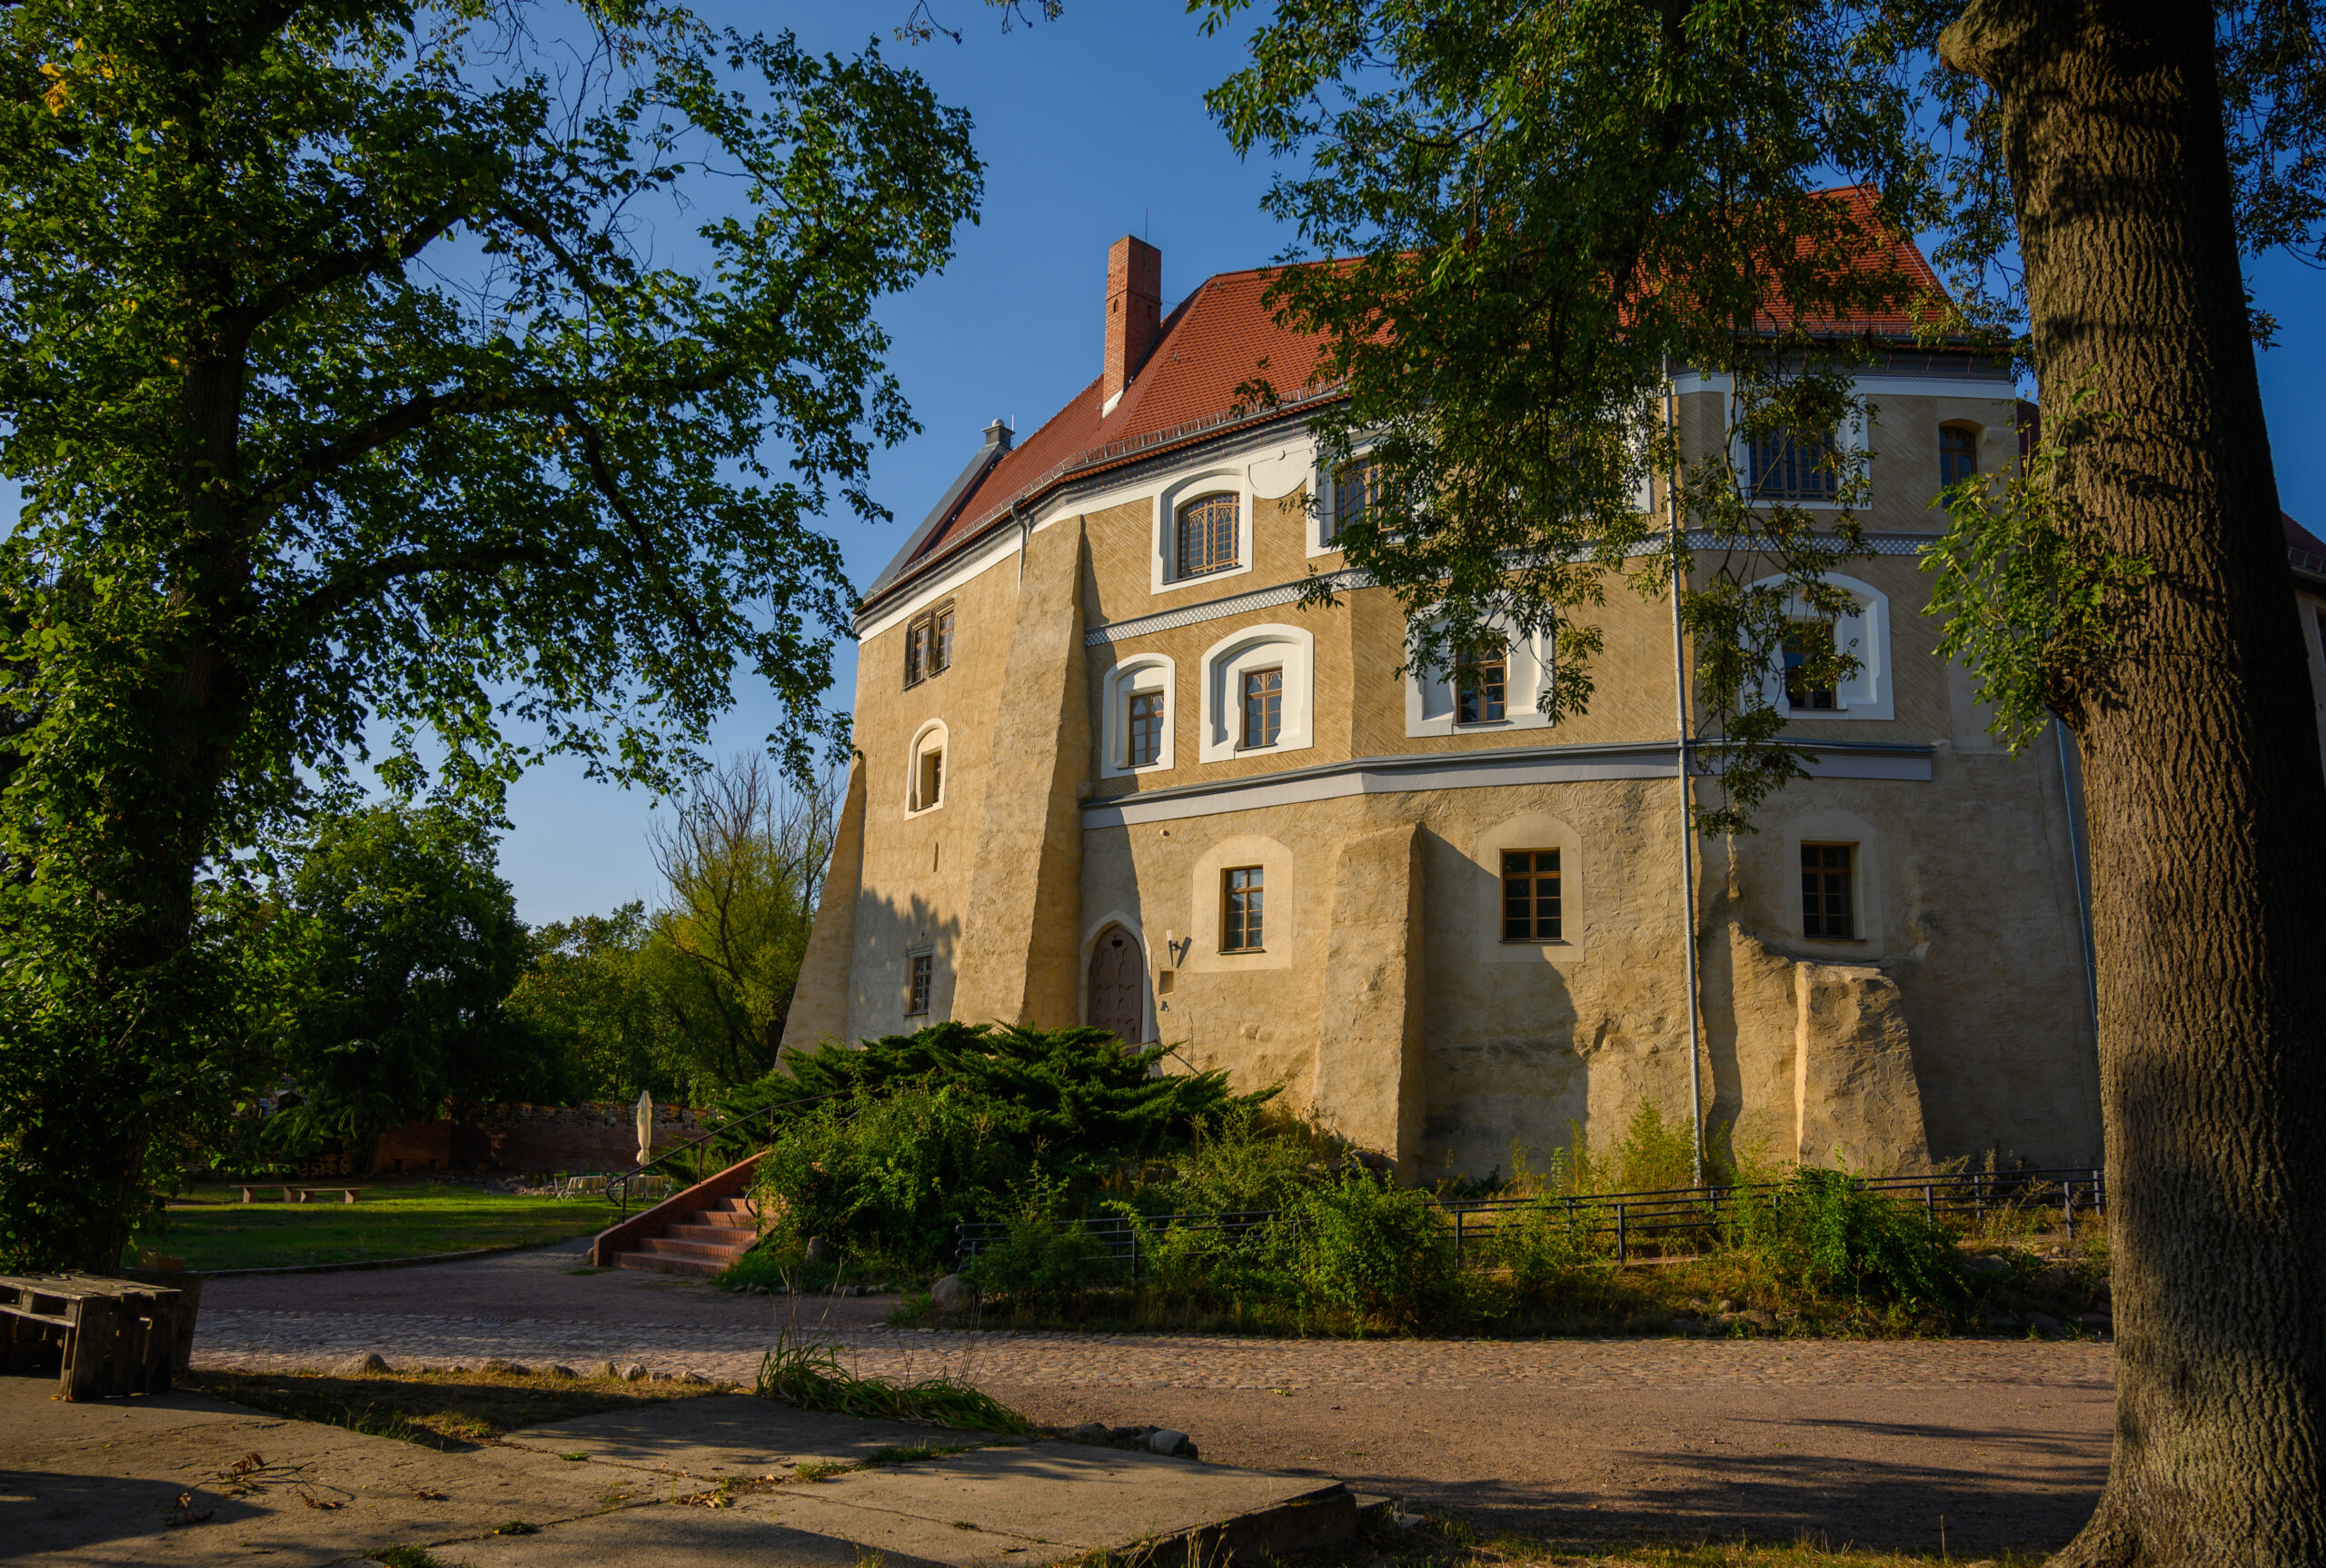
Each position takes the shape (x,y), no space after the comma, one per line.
(1117,988)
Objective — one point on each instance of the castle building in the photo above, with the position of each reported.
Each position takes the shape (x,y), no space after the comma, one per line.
(1110,771)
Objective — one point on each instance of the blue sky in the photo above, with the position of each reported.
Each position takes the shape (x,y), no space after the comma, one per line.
(1093,127)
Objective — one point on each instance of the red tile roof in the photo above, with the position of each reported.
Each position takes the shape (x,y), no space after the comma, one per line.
(2304,550)
(1218,338)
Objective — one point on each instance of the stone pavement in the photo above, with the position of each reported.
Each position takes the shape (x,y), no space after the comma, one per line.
(2000,1442)
(184,1478)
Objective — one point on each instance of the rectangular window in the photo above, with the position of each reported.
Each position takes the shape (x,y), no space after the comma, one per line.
(928,645)
(1530,896)
(1825,891)
(1146,728)
(1206,535)
(1263,703)
(1481,694)
(1353,489)
(931,780)
(1807,638)
(1788,465)
(924,968)
(1958,455)
(1239,925)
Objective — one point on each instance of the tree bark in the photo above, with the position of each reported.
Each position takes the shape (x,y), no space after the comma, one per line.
(2200,755)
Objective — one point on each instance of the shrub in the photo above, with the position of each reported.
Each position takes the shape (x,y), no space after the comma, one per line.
(1828,1234)
(1042,1266)
(889,1174)
(1383,1253)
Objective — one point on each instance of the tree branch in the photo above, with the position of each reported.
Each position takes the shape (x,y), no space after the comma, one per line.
(602,474)
(344,587)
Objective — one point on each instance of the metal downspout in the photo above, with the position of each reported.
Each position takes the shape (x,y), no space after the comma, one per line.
(1688,791)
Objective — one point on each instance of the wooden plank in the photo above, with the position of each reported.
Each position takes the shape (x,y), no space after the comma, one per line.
(88,1348)
(60,1319)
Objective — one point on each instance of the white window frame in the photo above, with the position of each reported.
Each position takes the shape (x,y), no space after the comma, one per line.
(1849,440)
(930,736)
(1430,697)
(1327,487)
(1294,648)
(1235,481)
(1140,672)
(1868,694)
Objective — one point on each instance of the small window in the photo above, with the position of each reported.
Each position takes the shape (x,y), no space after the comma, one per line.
(1806,639)
(1530,896)
(1239,927)
(927,784)
(1144,742)
(1958,455)
(1793,465)
(1484,683)
(924,969)
(1263,707)
(1825,910)
(1206,535)
(928,645)
(1354,489)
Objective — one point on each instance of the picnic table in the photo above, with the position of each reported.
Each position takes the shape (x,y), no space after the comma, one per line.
(111,1336)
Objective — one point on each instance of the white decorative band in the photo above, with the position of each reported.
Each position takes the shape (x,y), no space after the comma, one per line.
(1531,765)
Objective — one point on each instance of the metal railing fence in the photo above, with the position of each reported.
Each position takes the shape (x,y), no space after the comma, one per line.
(1633,1218)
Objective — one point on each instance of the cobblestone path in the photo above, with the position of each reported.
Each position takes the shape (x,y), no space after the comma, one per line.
(276,1340)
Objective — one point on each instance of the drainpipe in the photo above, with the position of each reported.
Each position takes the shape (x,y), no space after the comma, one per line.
(1688,791)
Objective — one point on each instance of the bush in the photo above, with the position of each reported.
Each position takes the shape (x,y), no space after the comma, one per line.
(1825,1232)
(892,1174)
(1042,1266)
(1380,1252)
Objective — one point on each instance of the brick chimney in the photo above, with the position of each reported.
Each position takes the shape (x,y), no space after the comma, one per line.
(1134,312)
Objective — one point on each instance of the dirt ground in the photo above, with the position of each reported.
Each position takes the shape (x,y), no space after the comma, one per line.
(1980,1445)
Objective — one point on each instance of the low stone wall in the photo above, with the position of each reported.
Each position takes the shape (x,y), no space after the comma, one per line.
(601,1135)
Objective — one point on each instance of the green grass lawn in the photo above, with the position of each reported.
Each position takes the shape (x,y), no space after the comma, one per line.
(392,1220)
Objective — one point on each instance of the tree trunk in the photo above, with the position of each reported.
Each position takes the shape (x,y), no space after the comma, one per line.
(2200,755)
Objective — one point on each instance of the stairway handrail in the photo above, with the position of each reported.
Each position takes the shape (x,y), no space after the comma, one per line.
(624,1180)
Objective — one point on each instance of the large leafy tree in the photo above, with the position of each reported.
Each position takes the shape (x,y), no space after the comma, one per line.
(373,369)
(402,943)
(1553,204)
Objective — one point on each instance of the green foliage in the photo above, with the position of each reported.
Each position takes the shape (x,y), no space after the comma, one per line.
(809,1376)
(1074,1098)
(894,1172)
(1382,1253)
(375,371)
(588,990)
(405,940)
(2032,597)
(744,864)
(1825,1232)
(1040,1265)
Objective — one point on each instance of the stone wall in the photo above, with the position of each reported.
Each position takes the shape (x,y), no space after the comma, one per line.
(601,1136)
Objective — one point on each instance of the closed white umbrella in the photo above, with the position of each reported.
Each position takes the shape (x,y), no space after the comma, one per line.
(645,1127)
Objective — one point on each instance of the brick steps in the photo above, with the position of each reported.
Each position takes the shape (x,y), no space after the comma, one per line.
(699,1234)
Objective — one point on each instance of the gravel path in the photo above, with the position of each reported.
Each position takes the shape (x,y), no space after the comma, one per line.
(2001,1444)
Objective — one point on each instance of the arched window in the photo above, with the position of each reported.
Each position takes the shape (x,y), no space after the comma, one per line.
(1862,632)
(1140,714)
(1208,534)
(925,772)
(1258,693)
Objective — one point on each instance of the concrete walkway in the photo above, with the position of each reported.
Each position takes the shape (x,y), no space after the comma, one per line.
(185,1478)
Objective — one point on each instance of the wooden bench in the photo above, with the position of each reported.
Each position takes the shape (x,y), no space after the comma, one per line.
(262,1187)
(346,1194)
(111,1336)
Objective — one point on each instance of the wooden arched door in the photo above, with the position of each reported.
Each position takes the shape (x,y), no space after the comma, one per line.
(1118,989)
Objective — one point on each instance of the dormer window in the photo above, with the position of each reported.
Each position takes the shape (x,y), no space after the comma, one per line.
(1354,488)
(929,644)
(1208,535)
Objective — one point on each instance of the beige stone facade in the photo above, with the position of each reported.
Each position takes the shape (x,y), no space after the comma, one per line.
(1954,1019)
